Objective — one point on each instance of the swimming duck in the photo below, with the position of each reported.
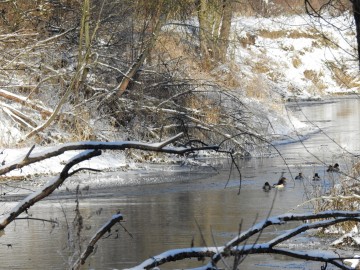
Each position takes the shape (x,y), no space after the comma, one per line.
(266,187)
(334,168)
(281,183)
(299,176)
(279,186)
(316,177)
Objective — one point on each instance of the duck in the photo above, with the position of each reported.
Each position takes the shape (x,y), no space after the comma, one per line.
(316,177)
(299,176)
(281,183)
(266,187)
(334,168)
(330,168)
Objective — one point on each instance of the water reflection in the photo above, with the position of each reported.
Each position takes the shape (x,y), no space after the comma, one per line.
(186,205)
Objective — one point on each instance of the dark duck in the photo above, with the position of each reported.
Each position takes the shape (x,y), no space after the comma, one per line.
(266,187)
(334,168)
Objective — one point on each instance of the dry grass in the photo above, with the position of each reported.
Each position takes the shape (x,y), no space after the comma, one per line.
(181,55)
(341,197)
(316,79)
(78,126)
(342,77)
(172,46)
(204,109)
(266,66)
(257,88)
(261,68)
(296,61)
(294,34)
(247,40)
(319,39)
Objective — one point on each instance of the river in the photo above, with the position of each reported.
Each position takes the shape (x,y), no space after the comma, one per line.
(184,204)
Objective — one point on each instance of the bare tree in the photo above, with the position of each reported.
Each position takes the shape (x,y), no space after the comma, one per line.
(215,22)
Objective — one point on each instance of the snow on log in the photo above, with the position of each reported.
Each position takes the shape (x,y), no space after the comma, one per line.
(96,145)
(25,101)
(234,247)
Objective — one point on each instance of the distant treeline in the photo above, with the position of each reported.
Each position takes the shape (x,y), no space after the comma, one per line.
(18,14)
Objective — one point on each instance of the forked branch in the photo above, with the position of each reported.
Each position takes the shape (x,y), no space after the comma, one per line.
(235,247)
(53,184)
(90,247)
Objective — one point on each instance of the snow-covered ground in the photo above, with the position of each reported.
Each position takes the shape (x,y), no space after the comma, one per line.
(291,57)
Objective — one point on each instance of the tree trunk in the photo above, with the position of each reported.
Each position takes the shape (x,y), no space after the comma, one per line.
(204,32)
(84,49)
(143,55)
(225,29)
(356,8)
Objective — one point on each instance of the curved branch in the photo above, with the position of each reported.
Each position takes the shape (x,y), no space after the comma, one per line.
(338,216)
(233,247)
(33,198)
(90,247)
(309,255)
(308,226)
(176,255)
(94,145)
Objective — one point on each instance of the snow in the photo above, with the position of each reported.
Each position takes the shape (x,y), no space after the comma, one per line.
(297,42)
(108,160)
(173,253)
(353,262)
(351,238)
(277,54)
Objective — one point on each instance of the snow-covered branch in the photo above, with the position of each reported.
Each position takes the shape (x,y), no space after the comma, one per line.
(53,184)
(96,145)
(175,255)
(336,216)
(235,247)
(201,124)
(25,101)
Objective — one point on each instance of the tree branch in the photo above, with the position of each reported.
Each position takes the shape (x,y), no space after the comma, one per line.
(233,247)
(121,145)
(90,247)
(33,198)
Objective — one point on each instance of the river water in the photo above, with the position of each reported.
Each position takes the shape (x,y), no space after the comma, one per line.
(184,204)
